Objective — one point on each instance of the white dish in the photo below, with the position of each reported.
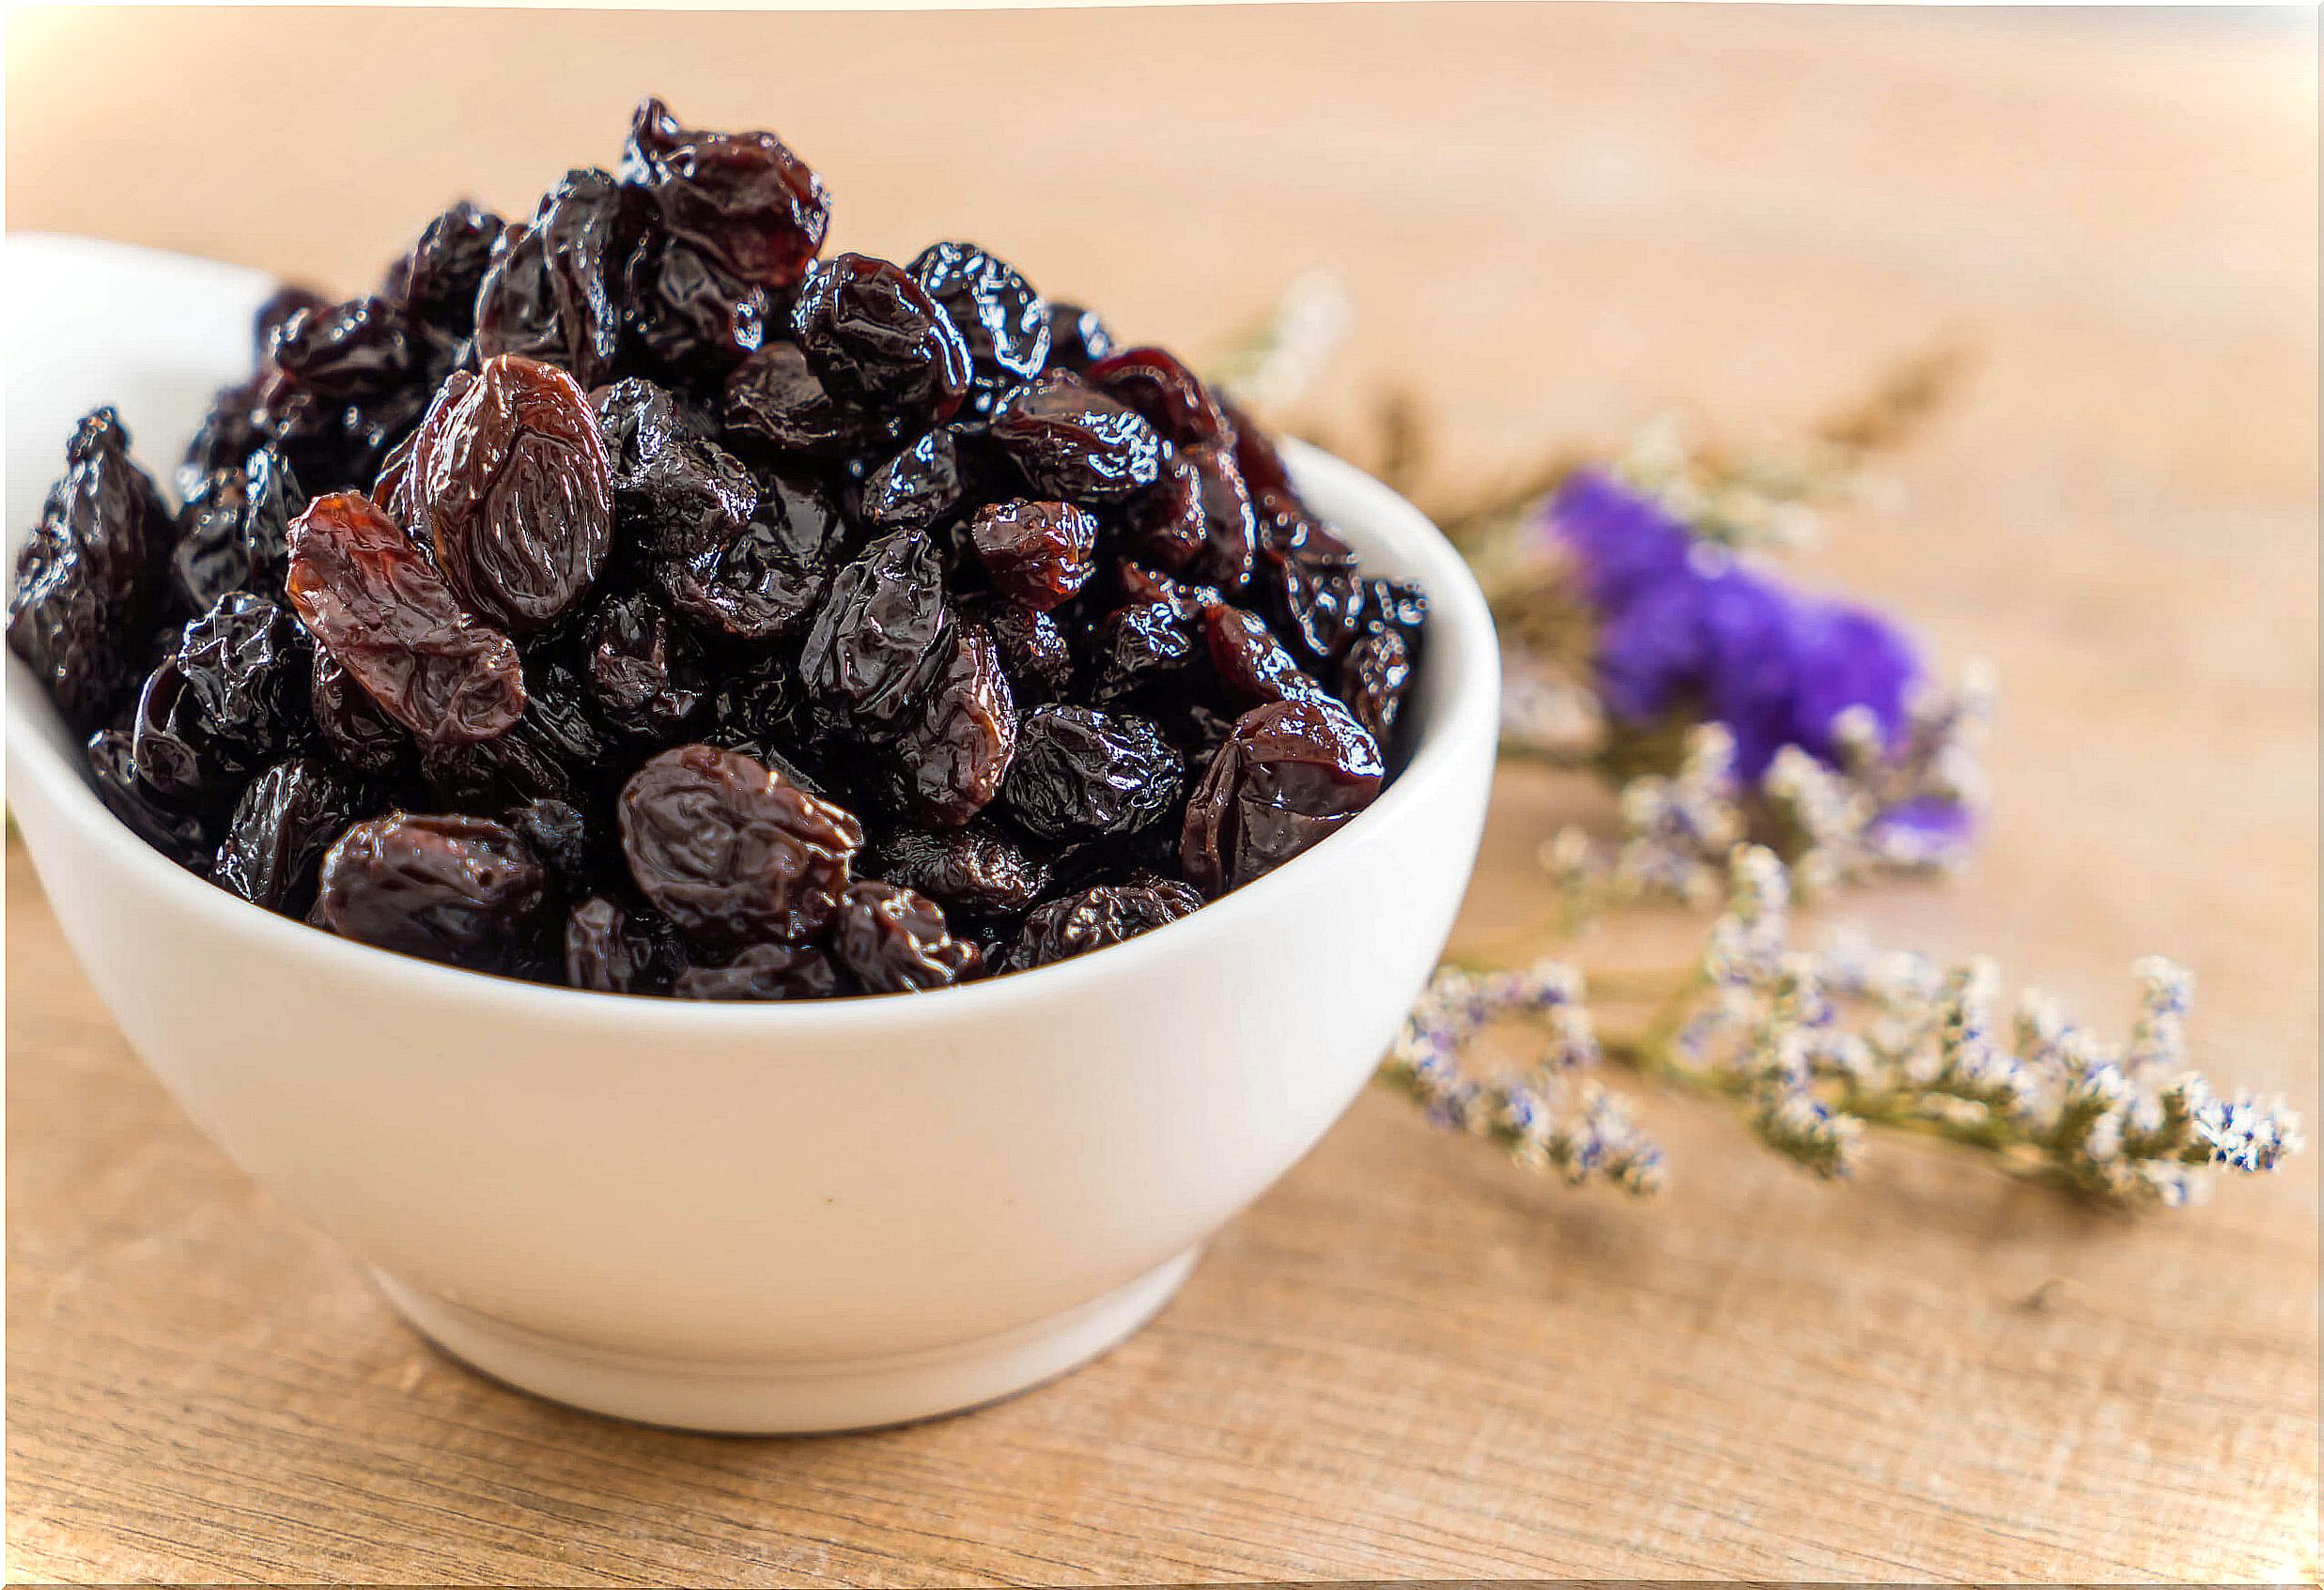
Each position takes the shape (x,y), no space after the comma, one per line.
(741,1217)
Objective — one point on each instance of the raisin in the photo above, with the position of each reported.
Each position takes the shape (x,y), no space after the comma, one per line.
(647,676)
(286,820)
(894,939)
(881,635)
(227,435)
(1291,773)
(1171,397)
(614,951)
(917,487)
(763,972)
(550,292)
(1165,524)
(553,750)
(1144,648)
(873,335)
(1134,583)
(234,533)
(1230,522)
(175,832)
(1373,679)
(1034,652)
(436,278)
(388,618)
(765,580)
(1082,774)
(690,314)
(343,353)
(225,703)
(675,491)
(276,312)
(464,890)
(1035,553)
(1251,664)
(1308,580)
(731,852)
(954,750)
(1074,442)
(1104,915)
(353,729)
(742,198)
(560,835)
(510,485)
(976,869)
(1077,338)
(1003,321)
(1399,605)
(776,399)
(88,580)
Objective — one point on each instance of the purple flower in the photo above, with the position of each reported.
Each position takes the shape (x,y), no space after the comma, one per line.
(1683,627)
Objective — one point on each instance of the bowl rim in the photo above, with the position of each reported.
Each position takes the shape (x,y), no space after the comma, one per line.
(1461,638)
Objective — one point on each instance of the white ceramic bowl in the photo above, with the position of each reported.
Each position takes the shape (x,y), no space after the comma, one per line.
(741,1218)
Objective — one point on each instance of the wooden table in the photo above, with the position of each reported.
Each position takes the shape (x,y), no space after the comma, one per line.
(1409,1358)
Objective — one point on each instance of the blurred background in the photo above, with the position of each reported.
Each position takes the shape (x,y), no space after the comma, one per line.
(1549,222)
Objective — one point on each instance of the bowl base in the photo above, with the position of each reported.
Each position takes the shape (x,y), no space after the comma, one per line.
(799,1398)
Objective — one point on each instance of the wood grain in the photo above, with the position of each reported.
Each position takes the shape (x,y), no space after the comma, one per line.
(1409,1360)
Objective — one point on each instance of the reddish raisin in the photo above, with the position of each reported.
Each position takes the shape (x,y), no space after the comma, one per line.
(1291,773)
(742,198)
(1035,553)
(955,748)
(460,889)
(1171,396)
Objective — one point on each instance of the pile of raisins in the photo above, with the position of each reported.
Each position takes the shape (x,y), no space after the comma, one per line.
(634,597)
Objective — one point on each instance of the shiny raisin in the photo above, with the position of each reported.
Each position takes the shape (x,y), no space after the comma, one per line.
(343,353)
(775,399)
(765,580)
(895,939)
(225,702)
(917,487)
(1104,915)
(1171,397)
(873,335)
(677,493)
(763,972)
(175,831)
(616,950)
(1034,652)
(286,820)
(954,750)
(1071,441)
(742,198)
(88,580)
(1374,677)
(1141,649)
(647,675)
(353,728)
(1251,664)
(436,278)
(388,618)
(976,869)
(1077,338)
(881,635)
(234,533)
(550,292)
(1035,553)
(1083,774)
(464,890)
(1291,773)
(1003,320)
(510,485)
(730,851)
(553,750)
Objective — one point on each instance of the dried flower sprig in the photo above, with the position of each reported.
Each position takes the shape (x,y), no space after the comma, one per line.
(1770,1026)
(1741,718)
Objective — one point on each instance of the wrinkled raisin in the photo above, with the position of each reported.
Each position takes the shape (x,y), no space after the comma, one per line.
(742,198)
(1035,553)
(1291,773)
(225,703)
(1373,679)
(286,820)
(464,890)
(763,581)
(873,335)
(776,399)
(437,279)
(88,580)
(731,852)
(894,939)
(1034,652)
(763,972)
(647,676)
(1104,915)
(1074,442)
(549,294)
(1143,648)
(510,486)
(917,487)
(1077,338)
(976,869)
(615,950)
(1003,321)
(882,633)
(175,831)
(353,728)
(1081,774)
(388,618)
(1251,664)
(553,750)
(234,532)
(1171,397)
(955,748)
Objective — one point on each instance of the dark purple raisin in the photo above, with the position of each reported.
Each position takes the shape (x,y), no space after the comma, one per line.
(562,836)
(677,493)
(276,312)
(976,869)
(1077,338)
(1251,664)
(731,852)
(464,890)
(1034,652)
(436,278)
(690,314)
(954,750)
(647,675)
(1083,774)
(875,336)
(175,832)
(917,487)
(1171,397)
(1372,680)
(345,353)
(553,750)
(1142,649)
(1003,321)
(894,939)
(1104,914)
(550,292)
(88,580)
(742,198)
(775,399)
(882,634)
(614,951)
(765,582)
(234,533)
(1291,773)
(763,972)
(353,727)
(1074,442)
(286,820)
(228,702)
